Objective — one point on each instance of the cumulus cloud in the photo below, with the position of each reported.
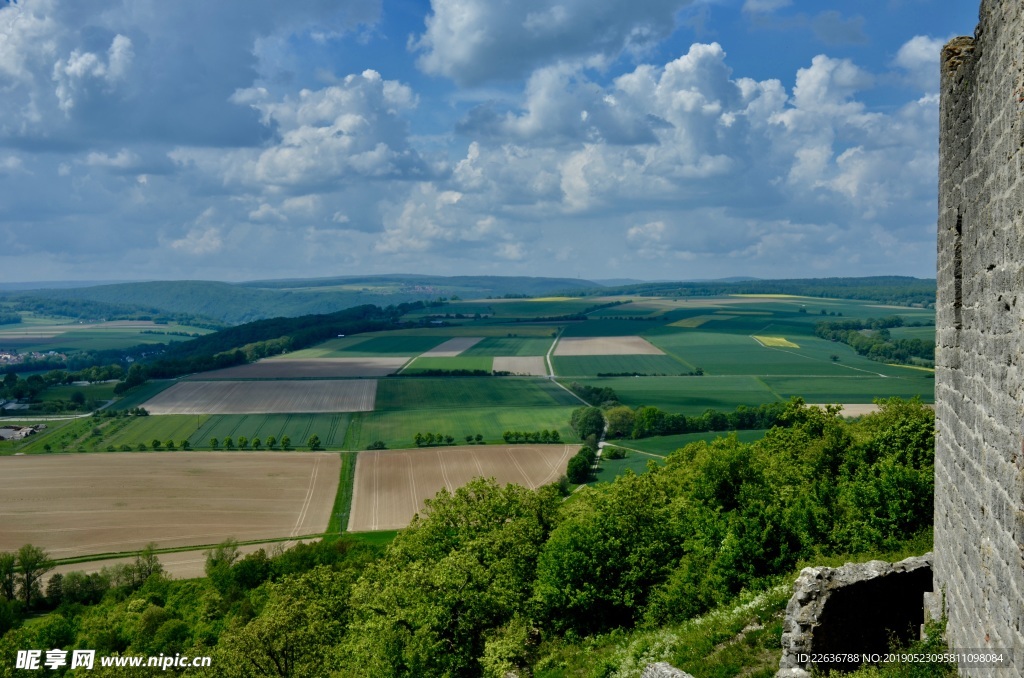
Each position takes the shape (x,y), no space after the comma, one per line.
(472,41)
(919,59)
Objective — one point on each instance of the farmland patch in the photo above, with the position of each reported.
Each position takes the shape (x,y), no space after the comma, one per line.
(398,429)
(424,363)
(527,365)
(102,503)
(390,486)
(622,345)
(776,342)
(510,346)
(698,320)
(619,365)
(452,347)
(256,397)
(469,392)
(308,369)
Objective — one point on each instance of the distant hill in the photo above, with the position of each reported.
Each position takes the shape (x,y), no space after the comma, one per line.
(236,303)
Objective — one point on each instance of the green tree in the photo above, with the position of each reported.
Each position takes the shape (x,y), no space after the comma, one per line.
(33,562)
(271,442)
(587,421)
(460,571)
(214,443)
(169,444)
(314,442)
(156,444)
(256,443)
(578,469)
(286,443)
(243,442)
(229,443)
(8,575)
(184,444)
(620,422)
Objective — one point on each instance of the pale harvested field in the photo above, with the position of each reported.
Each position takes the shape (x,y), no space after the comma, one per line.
(390,485)
(73,505)
(452,347)
(179,565)
(775,342)
(265,397)
(698,320)
(309,368)
(568,346)
(532,365)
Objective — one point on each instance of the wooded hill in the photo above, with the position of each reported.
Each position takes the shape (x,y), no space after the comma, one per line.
(236,303)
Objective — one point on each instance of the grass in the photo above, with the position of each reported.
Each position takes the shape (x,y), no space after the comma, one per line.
(619,364)
(610,469)
(103,391)
(408,393)
(398,428)
(35,442)
(855,389)
(343,499)
(738,638)
(422,364)
(665,445)
(689,395)
(330,428)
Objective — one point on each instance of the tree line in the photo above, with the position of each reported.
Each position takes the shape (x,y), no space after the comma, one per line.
(877,344)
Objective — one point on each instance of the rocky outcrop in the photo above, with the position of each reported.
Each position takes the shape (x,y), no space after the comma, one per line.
(663,670)
(852,610)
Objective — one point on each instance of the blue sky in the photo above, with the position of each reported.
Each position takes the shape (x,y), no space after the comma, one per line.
(244,139)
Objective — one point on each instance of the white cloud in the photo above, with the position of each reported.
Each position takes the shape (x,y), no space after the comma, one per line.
(199,241)
(919,58)
(472,41)
(124,159)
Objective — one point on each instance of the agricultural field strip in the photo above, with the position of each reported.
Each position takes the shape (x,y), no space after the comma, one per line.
(774,342)
(259,397)
(591,346)
(119,502)
(452,347)
(390,486)
(529,365)
(848,367)
(278,368)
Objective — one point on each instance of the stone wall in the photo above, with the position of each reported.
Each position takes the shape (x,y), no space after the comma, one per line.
(979,464)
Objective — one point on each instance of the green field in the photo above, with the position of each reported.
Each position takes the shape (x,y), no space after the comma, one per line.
(330,428)
(619,364)
(430,393)
(597,327)
(689,395)
(422,364)
(104,391)
(665,445)
(141,394)
(509,346)
(856,389)
(397,428)
(610,469)
(392,346)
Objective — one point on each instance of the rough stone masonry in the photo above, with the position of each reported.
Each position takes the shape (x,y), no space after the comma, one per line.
(979,376)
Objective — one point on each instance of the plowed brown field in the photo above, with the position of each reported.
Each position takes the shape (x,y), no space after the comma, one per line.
(74,505)
(390,486)
(265,397)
